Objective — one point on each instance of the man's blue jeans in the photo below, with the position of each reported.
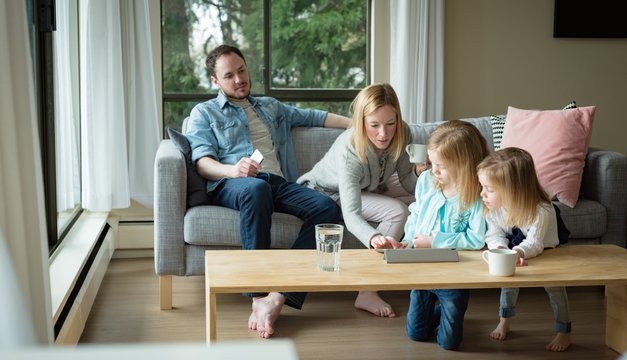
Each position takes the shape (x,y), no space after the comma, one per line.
(424,316)
(257,198)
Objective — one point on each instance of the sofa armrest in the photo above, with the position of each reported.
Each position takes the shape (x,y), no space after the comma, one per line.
(604,179)
(170,179)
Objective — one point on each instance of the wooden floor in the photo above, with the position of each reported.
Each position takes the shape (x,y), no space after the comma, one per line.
(329,327)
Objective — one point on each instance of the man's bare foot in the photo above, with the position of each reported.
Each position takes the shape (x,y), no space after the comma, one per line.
(371,302)
(501,330)
(561,342)
(266,311)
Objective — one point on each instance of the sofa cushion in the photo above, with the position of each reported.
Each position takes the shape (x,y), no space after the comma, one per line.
(588,220)
(310,145)
(196,184)
(421,132)
(219,226)
(558,142)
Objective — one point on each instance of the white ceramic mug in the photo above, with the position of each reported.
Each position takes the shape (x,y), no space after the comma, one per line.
(501,262)
(417,153)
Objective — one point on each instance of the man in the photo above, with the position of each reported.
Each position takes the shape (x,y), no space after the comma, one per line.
(223,132)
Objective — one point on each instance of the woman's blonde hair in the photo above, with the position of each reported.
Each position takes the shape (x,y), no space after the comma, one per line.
(461,147)
(513,174)
(369,100)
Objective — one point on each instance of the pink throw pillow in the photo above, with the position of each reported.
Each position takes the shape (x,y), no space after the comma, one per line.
(558,142)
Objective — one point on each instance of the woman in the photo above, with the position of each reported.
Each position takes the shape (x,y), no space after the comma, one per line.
(366,170)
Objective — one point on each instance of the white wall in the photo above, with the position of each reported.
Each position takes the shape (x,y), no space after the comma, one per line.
(22,218)
(501,53)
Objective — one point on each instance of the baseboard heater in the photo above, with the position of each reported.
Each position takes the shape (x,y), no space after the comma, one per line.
(80,280)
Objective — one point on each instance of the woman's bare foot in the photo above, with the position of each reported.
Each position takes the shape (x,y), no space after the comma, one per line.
(501,330)
(371,302)
(265,312)
(561,342)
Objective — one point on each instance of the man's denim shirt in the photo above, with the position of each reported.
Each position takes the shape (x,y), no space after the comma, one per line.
(219,129)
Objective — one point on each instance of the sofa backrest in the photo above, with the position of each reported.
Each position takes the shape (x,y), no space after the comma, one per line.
(310,144)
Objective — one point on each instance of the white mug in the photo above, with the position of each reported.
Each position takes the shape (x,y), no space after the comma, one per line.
(501,262)
(417,153)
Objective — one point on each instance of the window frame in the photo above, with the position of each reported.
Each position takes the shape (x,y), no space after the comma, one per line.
(44,25)
(281,94)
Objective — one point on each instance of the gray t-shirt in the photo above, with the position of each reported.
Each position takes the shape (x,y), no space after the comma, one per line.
(260,137)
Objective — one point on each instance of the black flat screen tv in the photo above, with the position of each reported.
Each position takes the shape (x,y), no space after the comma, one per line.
(590,19)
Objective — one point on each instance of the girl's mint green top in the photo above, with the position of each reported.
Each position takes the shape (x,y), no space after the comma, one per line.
(433,214)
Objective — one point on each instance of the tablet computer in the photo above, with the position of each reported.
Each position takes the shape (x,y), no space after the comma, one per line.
(392,256)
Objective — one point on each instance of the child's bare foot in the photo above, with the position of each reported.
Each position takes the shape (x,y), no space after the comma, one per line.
(266,311)
(371,302)
(501,330)
(561,342)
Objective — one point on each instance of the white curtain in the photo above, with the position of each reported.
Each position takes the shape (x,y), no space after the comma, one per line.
(66,102)
(119,112)
(141,109)
(25,287)
(417,58)
(104,150)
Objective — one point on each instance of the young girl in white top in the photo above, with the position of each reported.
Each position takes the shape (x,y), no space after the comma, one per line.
(448,213)
(516,203)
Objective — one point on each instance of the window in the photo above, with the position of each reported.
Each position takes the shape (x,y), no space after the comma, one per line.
(55,26)
(306,53)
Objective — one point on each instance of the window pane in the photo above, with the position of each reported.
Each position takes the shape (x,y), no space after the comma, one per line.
(193,28)
(336,107)
(317,50)
(174,112)
(66,115)
(318,44)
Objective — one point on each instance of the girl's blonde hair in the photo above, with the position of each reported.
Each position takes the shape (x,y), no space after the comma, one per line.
(369,100)
(513,175)
(461,147)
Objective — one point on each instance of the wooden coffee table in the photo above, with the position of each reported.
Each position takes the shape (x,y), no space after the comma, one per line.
(240,271)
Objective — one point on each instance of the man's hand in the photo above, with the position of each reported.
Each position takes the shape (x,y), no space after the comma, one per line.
(385,242)
(422,241)
(214,170)
(245,167)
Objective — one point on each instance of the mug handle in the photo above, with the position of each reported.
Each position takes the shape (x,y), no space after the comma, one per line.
(484,255)
(409,150)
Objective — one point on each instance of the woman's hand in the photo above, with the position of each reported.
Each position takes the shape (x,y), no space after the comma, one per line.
(385,242)
(420,167)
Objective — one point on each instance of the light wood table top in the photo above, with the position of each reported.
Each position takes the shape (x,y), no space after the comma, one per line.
(295,270)
(233,271)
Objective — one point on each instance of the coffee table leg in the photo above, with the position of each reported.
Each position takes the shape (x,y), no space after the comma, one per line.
(616,318)
(211,315)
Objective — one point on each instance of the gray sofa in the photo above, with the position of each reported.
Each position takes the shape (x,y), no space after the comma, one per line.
(183,233)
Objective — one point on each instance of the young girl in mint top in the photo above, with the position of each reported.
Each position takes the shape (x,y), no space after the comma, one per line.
(448,213)
(521,217)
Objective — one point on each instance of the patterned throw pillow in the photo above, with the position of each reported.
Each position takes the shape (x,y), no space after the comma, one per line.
(498,124)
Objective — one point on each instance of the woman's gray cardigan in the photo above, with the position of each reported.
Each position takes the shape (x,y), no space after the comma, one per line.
(341,175)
